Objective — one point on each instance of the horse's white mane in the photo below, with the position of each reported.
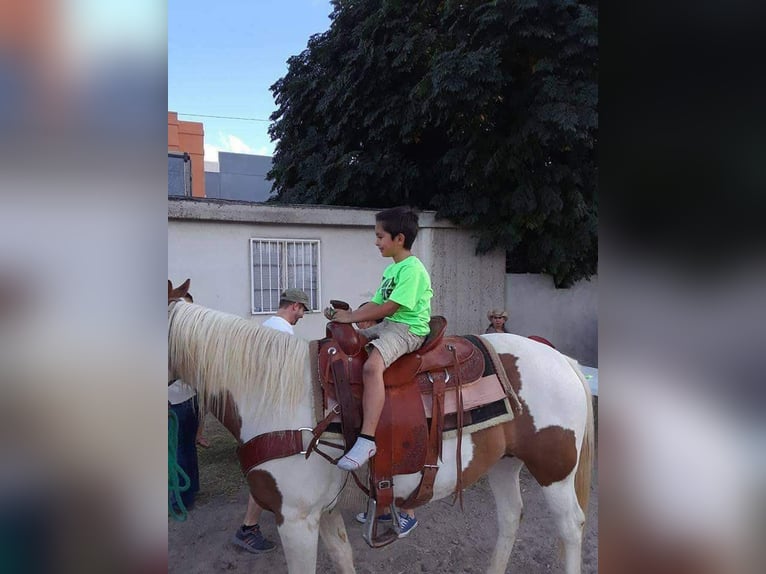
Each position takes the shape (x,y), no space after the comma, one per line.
(215,352)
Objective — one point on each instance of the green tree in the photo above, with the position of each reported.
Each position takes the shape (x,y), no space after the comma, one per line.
(482,111)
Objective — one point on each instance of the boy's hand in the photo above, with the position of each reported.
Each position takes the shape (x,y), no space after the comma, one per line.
(338,315)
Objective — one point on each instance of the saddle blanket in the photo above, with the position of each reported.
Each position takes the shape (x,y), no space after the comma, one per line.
(485,404)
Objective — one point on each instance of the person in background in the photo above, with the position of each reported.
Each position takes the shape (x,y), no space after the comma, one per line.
(182,400)
(293,303)
(497,319)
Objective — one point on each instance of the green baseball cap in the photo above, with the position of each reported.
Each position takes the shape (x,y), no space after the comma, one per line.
(296,296)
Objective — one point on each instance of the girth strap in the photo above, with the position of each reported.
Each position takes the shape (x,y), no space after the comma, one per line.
(281,444)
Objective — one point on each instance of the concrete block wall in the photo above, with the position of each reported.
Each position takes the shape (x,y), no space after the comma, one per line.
(568,318)
(465,284)
(208,240)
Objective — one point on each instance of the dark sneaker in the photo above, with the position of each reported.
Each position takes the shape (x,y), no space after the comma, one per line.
(407,524)
(252,540)
(362,517)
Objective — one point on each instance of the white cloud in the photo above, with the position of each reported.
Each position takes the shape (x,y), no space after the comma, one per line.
(234,144)
(211,153)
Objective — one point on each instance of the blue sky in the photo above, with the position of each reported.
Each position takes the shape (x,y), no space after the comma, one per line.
(224,56)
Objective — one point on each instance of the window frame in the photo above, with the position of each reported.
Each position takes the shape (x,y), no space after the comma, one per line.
(187,172)
(283,271)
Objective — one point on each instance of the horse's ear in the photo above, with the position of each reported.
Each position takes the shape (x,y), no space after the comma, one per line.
(179,292)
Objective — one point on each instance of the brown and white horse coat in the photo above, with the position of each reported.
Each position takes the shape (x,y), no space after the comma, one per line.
(266,380)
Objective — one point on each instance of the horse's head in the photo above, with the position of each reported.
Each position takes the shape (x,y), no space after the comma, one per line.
(174,295)
(180,292)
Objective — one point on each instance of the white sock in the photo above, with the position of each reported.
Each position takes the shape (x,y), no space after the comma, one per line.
(359,454)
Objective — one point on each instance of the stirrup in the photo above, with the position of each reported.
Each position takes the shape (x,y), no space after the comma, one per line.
(370,531)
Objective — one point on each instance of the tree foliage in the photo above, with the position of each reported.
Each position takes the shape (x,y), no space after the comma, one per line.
(482,111)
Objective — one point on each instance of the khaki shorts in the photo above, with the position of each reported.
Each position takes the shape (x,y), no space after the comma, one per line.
(392,340)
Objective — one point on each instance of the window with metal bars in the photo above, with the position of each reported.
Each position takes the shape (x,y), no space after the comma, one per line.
(279,264)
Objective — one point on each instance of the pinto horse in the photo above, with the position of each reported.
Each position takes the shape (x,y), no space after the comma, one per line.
(258,380)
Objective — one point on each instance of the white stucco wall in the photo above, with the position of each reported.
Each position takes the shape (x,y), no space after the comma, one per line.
(465,284)
(568,318)
(217,258)
(208,240)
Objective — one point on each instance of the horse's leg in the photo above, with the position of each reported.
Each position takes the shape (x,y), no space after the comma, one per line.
(332,530)
(300,538)
(570,519)
(504,481)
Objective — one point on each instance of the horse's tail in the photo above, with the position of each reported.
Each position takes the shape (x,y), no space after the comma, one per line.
(585,462)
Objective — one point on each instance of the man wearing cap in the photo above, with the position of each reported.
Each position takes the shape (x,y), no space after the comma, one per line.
(293,303)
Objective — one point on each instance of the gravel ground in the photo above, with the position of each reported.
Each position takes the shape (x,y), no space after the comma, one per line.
(446,540)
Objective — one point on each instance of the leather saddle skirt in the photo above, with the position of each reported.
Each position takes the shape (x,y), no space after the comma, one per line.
(442,363)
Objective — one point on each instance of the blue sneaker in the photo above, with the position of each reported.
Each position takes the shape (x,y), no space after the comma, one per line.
(251,539)
(407,524)
(362,517)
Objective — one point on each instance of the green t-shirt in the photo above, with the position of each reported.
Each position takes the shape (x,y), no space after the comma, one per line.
(408,284)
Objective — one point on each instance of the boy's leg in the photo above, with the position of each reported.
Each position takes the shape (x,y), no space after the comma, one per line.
(374,393)
(394,340)
(372,404)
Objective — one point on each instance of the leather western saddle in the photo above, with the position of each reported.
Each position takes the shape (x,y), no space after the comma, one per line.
(428,383)
(406,441)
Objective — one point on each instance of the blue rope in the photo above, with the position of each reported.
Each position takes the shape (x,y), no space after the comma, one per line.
(178,480)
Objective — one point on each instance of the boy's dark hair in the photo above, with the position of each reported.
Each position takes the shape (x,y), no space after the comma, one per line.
(398,220)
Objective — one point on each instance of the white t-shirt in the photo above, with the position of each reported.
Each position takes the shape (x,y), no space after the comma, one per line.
(278,323)
(179,392)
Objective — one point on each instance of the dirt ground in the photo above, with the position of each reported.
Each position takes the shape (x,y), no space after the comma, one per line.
(446,539)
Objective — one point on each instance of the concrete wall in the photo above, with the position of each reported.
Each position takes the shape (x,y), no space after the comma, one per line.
(464,284)
(568,318)
(243,176)
(208,241)
(212,184)
(239,177)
